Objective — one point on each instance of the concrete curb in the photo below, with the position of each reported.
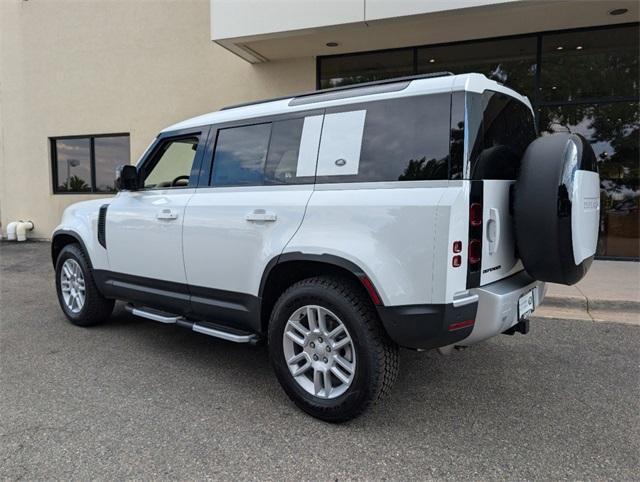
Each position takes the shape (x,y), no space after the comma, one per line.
(580,302)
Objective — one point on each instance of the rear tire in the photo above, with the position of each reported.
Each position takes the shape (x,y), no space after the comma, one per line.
(370,357)
(78,295)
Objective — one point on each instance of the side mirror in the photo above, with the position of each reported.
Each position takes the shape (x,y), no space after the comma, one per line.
(127,178)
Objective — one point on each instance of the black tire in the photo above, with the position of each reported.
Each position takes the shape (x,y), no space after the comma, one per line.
(96,308)
(554,168)
(377,356)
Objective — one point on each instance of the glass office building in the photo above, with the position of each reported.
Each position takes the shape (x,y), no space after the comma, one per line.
(583,80)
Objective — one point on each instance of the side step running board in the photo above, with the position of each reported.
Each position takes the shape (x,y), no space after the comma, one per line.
(204,327)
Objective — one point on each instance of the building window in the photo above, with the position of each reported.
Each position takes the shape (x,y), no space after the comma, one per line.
(584,80)
(87,164)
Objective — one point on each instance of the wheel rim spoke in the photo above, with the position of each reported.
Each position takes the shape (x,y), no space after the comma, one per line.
(347,366)
(317,381)
(72,285)
(312,318)
(342,343)
(341,376)
(319,352)
(295,338)
(327,383)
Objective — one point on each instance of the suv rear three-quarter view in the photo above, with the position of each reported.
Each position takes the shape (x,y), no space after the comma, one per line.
(338,226)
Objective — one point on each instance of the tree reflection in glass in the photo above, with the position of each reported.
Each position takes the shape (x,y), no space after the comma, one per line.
(614,133)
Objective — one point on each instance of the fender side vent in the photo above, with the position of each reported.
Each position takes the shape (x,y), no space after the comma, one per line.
(102,225)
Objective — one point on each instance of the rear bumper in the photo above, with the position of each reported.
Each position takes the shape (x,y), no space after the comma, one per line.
(498,305)
(494,309)
(427,326)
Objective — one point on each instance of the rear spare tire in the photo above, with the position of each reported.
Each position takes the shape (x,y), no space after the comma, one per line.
(557,208)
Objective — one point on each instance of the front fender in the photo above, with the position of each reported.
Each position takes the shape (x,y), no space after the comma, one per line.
(80,221)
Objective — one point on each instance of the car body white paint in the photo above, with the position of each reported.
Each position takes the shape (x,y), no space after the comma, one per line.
(226,246)
(81,219)
(398,233)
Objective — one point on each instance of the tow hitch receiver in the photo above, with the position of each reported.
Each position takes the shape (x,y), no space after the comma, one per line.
(521,327)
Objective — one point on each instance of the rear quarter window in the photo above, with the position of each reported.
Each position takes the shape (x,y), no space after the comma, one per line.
(500,129)
(405,139)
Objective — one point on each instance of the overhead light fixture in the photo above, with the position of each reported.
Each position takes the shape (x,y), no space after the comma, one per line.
(432,61)
(579,47)
(332,44)
(559,47)
(618,11)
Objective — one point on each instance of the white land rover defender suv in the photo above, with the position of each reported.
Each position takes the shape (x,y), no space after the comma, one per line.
(339,225)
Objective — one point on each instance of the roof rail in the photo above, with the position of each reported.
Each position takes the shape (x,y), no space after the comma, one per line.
(344,88)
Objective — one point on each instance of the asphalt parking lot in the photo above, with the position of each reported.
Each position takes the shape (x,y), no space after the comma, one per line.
(137,399)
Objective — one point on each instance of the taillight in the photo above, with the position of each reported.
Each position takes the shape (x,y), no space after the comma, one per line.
(474,258)
(475,251)
(475,215)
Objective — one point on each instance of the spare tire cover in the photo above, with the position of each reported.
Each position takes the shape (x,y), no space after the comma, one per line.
(556,208)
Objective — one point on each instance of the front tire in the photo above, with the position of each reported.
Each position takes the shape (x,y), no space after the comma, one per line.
(78,295)
(329,350)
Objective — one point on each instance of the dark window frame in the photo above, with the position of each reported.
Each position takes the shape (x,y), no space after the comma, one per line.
(92,160)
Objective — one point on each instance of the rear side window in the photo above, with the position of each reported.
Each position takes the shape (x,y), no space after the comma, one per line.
(500,129)
(279,152)
(404,139)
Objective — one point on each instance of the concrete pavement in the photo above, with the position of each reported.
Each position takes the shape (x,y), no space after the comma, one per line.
(140,400)
(609,292)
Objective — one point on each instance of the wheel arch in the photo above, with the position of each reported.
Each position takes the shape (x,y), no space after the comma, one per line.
(64,237)
(289,268)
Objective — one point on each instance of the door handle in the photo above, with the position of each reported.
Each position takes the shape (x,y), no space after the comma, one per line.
(261,215)
(167,214)
(493,230)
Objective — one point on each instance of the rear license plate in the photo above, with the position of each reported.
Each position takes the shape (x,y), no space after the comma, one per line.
(525,305)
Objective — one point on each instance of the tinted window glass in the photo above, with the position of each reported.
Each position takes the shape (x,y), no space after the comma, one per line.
(173,163)
(614,133)
(284,149)
(589,64)
(240,155)
(511,62)
(110,152)
(500,129)
(402,140)
(268,153)
(353,69)
(73,157)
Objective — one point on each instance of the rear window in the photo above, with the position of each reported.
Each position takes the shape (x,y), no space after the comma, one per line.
(405,139)
(500,129)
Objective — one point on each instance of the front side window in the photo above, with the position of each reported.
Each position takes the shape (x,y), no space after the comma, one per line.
(500,129)
(88,164)
(172,163)
(405,139)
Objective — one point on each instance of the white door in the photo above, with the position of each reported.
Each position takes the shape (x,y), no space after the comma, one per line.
(261,180)
(144,227)
(499,258)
